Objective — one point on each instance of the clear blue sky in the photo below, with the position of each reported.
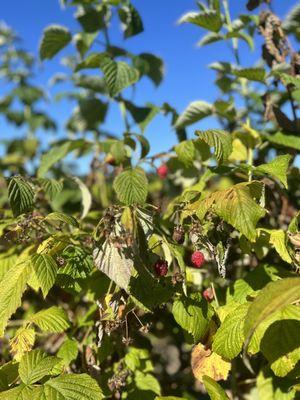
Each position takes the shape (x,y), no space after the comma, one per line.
(187,76)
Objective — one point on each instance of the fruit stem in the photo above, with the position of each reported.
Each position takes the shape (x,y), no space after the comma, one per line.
(214,293)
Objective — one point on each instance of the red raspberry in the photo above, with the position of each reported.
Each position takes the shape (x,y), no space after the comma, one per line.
(161,268)
(197,259)
(162,171)
(208,294)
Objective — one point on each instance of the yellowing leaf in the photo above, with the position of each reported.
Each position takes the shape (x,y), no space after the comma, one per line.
(237,206)
(12,287)
(22,342)
(273,297)
(206,362)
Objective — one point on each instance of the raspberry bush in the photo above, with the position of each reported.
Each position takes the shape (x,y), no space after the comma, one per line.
(99,294)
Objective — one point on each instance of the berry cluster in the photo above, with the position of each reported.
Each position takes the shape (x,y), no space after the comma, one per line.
(161,268)
(197,259)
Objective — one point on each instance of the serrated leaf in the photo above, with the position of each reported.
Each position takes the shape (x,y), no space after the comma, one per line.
(44,269)
(68,351)
(92,61)
(21,392)
(50,320)
(229,338)
(55,38)
(22,342)
(193,316)
(237,206)
(252,74)
(273,297)
(118,75)
(131,21)
(147,382)
(20,195)
(115,263)
(186,152)
(71,387)
(209,19)
(195,111)
(62,217)
(34,365)
(215,391)
(220,140)
(207,363)
(51,187)
(278,168)
(12,287)
(131,186)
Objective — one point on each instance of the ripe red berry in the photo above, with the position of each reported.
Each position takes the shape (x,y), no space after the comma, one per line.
(197,259)
(208,294)
(162,171)
(161,268)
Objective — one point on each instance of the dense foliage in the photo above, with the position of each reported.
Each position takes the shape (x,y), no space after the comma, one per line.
(152,276)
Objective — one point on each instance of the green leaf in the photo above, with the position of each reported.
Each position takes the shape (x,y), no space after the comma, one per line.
(195,111)
(142,115)
(93,60)
(51,187)
(169,398)
(55,38)
(209,19)
(273,297)
(71,387)
(151,66)
(44,269)
(210,37)
(147,382)
(131,20)
(229,338)
(34,365)
(215,391)
(8,375)
(12,287)
(62,217)
(186,152)
(278,240)
(115,263)
(278,168)
(131,186)
(193,316)
(50,320)
(269,387)
(68,351)
(20,195)
(52,157)
(21,392)
(237,206)
(252,74)
(118,75)
(86,197)
(280,342)
(220,140)
(281,139)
